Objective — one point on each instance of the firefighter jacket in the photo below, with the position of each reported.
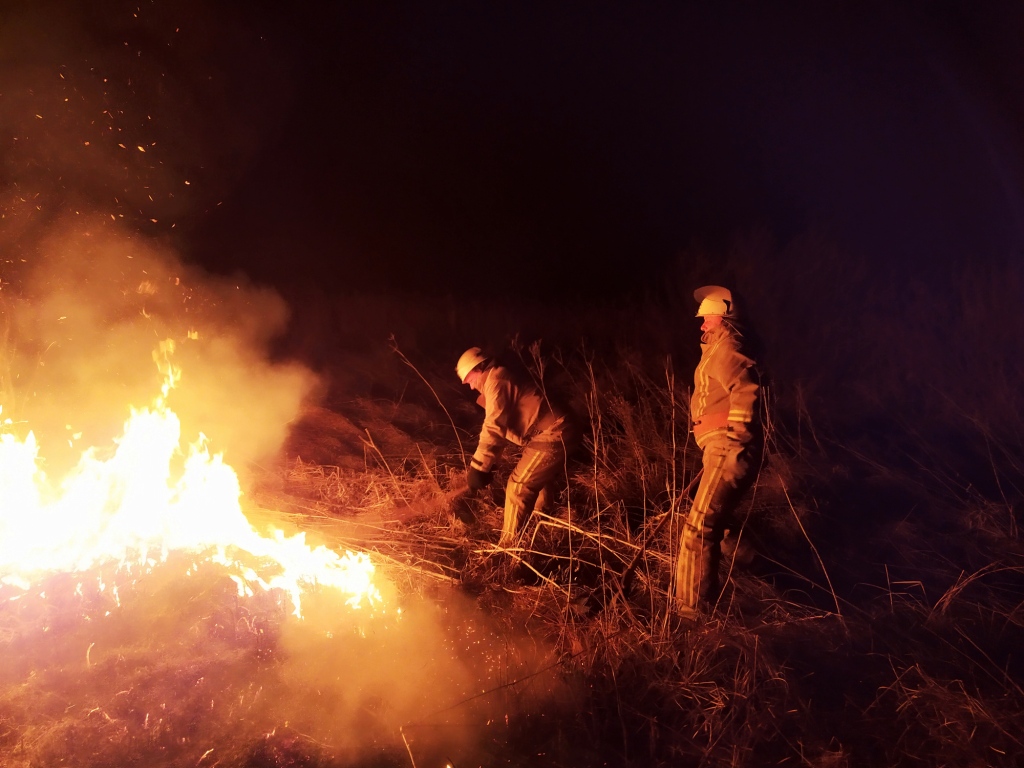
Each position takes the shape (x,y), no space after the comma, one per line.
(514,412)
(726,388)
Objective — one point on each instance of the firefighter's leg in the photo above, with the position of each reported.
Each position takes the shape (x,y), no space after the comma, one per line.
(546,499)
(567,435)
(537,468)
(747,467)
(700,542)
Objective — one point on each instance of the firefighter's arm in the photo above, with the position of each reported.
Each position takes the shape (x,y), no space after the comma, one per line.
(739,378)
(492,432)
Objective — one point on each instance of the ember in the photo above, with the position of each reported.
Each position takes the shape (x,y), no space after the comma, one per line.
(134,504)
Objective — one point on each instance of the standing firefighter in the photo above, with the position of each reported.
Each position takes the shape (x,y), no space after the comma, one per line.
(515,411)
(724,410)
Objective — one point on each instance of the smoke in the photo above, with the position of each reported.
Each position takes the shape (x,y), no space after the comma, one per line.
(121,130)
(192,670)
(438,673)
(88,309)
(91,308)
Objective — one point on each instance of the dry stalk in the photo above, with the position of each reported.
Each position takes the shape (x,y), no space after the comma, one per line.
(404,359)
(369,443)
(814,549)
(407,747)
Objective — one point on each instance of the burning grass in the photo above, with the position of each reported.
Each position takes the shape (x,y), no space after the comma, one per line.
(186,671)
(876,624)
(817,654)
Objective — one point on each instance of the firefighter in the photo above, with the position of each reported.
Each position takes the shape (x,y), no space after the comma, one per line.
(517,412)
(724,411)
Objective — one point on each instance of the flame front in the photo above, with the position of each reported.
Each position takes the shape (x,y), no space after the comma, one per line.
(132,508)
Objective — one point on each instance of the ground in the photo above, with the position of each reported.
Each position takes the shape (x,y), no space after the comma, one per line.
(875,624)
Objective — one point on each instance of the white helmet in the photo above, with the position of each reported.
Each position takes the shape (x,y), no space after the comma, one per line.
(714,300)
(470,359)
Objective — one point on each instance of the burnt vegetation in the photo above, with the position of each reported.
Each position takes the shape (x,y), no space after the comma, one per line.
(870,618)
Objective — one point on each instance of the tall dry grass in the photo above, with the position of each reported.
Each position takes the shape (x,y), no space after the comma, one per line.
(878,620)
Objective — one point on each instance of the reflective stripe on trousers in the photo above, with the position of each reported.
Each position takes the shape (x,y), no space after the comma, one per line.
(726,476)
(539,468)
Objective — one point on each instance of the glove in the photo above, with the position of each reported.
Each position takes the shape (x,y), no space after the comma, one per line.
(478,480)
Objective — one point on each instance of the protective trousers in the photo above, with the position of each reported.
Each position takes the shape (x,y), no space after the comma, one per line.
(538,473)
(728,473)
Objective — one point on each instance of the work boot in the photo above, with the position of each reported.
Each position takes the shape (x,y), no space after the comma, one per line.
(687,616)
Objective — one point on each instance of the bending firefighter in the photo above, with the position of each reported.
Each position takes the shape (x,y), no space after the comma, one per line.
(724,410)
(516,412)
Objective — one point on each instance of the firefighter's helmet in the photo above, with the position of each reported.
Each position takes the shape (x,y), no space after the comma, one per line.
(470,360)
(714,300)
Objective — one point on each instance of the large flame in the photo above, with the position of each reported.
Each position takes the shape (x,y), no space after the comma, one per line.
(134,504)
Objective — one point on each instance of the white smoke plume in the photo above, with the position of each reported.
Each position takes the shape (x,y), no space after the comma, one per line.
(84,318)
(120,129)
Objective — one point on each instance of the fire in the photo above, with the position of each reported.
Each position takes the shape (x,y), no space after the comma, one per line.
(134,504)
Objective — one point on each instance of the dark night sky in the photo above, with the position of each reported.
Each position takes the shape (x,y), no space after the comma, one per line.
(539,147)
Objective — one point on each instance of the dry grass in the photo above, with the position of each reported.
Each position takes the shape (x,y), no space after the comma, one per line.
(794,666)
(877,625)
